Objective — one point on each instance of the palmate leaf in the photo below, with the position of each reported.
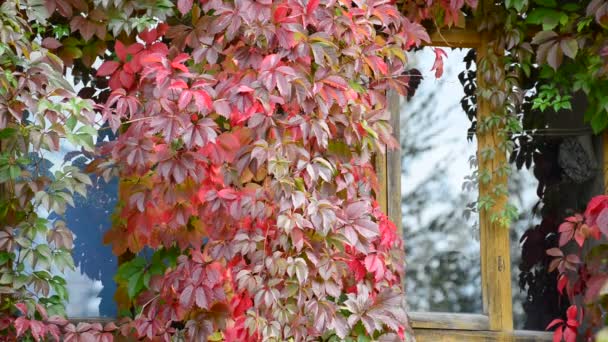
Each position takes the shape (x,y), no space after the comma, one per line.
(387,309)
(213,143)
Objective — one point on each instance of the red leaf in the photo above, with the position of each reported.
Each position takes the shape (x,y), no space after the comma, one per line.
(358,269)
(126,79)
(121,51)
(107,68)
(595,206)
(184,6)
(178,84)
(557,335)
(311,6)
(182,57)
(438,64)
(570,334)
(572,312)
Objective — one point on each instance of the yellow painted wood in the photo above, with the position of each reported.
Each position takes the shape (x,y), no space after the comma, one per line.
(438,335)
(393,166)
(456,38)
(381,173)
(448,321)
(494,239)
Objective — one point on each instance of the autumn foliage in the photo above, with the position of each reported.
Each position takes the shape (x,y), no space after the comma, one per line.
(246,131)
(580,262)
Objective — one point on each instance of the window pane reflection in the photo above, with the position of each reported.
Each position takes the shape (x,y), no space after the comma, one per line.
(90,286)
(442,244)
(557,171)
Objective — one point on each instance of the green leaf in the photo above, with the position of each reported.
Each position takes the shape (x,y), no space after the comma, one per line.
(7,132)
(599,122)
(602,336)
(135,284)
(547,17)
(340,148)
(356,86)
(547,3)
(5,257)
(518,5)
(569,47)
(71,123)
(126,270)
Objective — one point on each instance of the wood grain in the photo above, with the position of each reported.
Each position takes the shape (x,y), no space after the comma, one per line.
(494,238)
(456,38)
(437,335)
(381,173)
(448,321)
(393,165)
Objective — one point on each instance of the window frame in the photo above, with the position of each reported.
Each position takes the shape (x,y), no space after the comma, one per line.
(496,321)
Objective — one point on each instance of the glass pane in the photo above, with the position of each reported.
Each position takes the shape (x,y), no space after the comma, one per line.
(556,171)
(90,286)
(441,236)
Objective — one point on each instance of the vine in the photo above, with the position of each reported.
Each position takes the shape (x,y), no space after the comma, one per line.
(245,134)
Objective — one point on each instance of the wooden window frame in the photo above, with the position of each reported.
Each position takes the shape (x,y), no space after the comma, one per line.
(496,321)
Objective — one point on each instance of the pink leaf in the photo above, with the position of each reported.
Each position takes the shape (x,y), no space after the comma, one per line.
(51,43)
(201,298)
(184,99)
(21,307)
(184,6)
(602,221)
(21,325)
(556,252)
(185,299)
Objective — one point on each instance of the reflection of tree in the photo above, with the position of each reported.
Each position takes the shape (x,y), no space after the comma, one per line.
(443,271)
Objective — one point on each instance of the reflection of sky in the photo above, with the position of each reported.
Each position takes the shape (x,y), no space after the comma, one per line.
(451,150)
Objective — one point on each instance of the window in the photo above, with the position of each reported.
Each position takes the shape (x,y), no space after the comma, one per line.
(442,243)
(558,160)
(495,319)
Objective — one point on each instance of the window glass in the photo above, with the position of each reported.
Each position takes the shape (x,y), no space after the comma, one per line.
(557,170)
(441,234)
(90,286)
